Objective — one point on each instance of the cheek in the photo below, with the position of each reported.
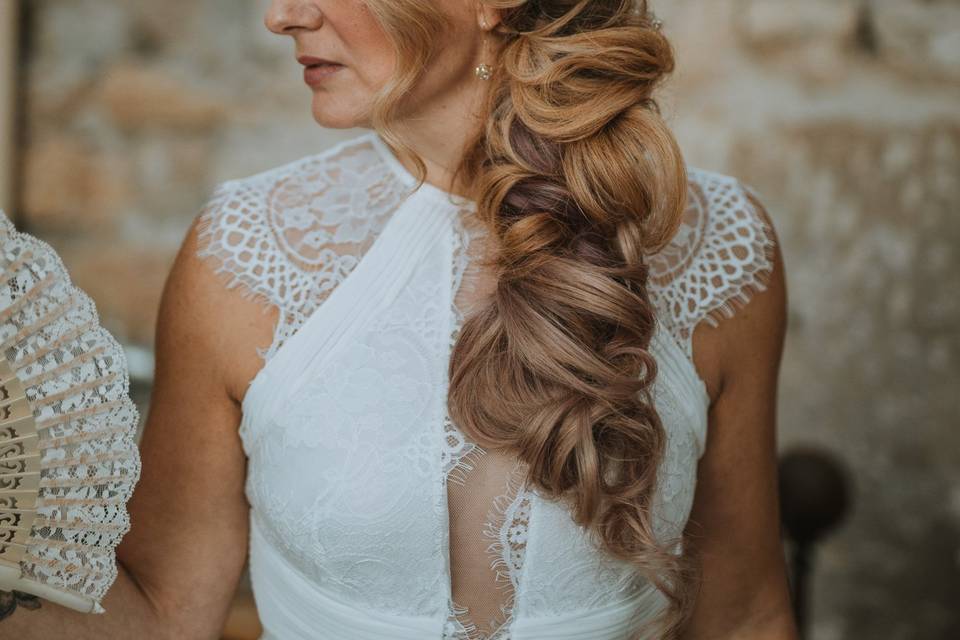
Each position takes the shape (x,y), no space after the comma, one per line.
(448,74)
(344,101)
(369,51)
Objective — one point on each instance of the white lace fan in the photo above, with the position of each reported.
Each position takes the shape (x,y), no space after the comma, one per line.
(68,453)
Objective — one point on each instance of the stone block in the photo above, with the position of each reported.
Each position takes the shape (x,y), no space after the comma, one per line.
(124,281)
(140,97)
(921,39)
(783,24)
(69,184)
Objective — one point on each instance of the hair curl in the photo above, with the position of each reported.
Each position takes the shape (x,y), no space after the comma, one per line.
(578,177)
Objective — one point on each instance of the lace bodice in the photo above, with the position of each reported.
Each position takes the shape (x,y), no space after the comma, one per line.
(372,515)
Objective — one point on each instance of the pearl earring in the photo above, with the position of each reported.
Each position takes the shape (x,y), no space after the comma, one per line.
(483,70)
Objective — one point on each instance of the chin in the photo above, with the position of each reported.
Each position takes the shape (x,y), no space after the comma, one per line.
(332,116)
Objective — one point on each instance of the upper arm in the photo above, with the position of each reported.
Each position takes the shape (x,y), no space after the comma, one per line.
(188,539)
(734,522)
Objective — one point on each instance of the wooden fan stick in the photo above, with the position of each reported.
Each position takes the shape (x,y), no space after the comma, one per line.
(19,472)
(19,489)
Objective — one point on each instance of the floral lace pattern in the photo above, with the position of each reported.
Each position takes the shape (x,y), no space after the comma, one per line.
(289,236)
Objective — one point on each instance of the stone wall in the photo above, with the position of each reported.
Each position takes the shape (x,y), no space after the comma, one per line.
(844,114)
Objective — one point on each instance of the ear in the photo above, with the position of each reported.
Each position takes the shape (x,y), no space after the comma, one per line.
(487,17)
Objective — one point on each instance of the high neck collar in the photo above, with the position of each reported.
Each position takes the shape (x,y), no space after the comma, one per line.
(433,192)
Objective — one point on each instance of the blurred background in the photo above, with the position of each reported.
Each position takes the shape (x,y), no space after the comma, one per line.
(118,118)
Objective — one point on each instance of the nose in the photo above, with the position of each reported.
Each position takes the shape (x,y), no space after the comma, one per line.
(285,17)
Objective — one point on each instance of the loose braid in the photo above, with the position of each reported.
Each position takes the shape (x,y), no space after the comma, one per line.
(578,179)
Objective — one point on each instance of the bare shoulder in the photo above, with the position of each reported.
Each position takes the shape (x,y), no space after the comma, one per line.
(210,319)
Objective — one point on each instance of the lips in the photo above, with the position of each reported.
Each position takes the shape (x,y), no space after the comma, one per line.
(317,70)
(311,61)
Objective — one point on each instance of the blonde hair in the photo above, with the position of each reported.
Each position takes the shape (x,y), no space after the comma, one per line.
(578,177)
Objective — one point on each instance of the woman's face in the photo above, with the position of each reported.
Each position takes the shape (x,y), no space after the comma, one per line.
(347,33)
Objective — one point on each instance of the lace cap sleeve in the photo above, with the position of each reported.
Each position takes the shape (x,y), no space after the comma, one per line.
(721,255)
(287,236)
(233,233)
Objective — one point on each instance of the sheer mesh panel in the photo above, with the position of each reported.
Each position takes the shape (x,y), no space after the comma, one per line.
(484,489)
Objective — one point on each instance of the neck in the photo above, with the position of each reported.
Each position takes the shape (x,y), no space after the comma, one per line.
(440,136)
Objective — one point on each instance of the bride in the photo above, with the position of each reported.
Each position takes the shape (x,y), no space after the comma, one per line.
(500,367)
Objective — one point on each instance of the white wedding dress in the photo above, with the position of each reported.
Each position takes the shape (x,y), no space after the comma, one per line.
(372,517)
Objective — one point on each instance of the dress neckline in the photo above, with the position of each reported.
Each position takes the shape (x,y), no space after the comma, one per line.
(434,192)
